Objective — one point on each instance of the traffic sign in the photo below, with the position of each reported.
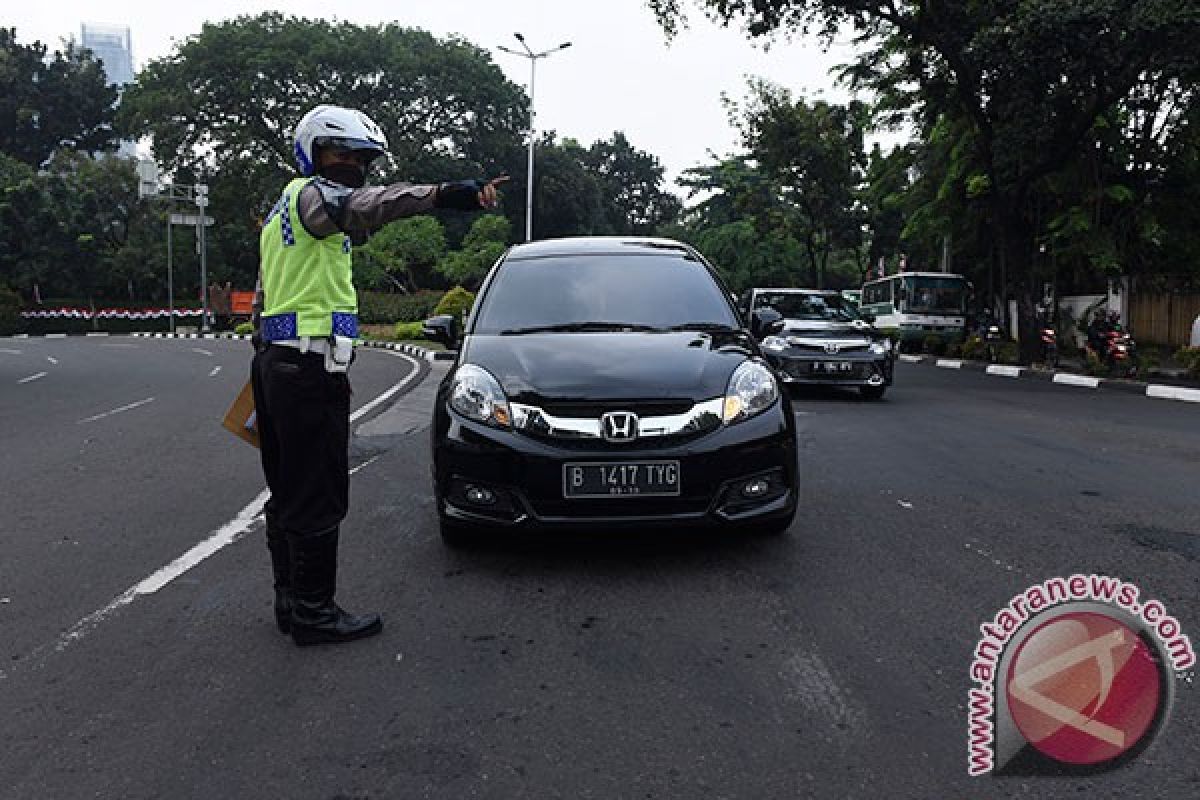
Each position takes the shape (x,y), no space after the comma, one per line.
(191,219)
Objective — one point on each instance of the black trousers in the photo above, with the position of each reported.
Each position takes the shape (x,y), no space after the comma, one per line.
(303,415)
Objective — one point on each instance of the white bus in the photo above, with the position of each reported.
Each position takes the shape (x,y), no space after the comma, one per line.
(912,306)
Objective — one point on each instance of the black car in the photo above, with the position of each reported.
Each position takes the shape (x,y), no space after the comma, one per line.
(608,383)
(819,337)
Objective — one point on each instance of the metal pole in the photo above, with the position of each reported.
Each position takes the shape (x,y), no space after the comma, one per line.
(201,203)
(529,171)
(170,277)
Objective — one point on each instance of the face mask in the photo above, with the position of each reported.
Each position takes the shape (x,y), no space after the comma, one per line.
(351,175)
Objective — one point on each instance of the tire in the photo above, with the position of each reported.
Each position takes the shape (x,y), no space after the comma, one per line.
(872,392)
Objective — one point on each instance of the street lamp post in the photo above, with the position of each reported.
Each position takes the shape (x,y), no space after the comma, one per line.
(533,57)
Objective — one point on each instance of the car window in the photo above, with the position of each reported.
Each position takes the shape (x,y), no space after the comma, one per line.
(794,305)
(658,291)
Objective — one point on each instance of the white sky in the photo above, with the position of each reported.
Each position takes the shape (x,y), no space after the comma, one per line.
(619,73)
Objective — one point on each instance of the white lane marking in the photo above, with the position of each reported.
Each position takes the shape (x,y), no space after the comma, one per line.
(33,377)
(202,351)
(390,393)
(56,336)
(226,535)
(911,359)
(97,334)
(904,504)
(1007,372)
(214,372)
(949,363)
(129,407)
(52,359)
(1076,380)
(1173,393)
(10,352)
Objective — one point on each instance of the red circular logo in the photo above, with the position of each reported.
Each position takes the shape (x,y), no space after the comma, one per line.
(1084,688)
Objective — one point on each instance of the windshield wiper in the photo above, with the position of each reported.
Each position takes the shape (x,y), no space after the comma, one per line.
(580,327)
(718,327)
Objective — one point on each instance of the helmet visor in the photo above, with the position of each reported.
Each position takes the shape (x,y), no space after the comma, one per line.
(368,149)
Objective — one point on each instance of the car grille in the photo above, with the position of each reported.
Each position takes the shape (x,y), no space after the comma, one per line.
(593,410)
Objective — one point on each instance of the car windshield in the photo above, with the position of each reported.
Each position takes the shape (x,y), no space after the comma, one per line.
(592,293)
(935,295)
(797,305)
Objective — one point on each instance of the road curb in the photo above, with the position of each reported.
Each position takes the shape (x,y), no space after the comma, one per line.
(1070,380)
(403,347)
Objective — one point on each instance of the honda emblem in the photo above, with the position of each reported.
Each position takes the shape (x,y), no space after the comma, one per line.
(619,426)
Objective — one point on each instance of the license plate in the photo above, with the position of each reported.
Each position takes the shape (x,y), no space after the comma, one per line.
(833,366)
(621,479)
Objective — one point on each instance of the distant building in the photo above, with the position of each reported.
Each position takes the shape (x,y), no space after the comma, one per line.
(113,46)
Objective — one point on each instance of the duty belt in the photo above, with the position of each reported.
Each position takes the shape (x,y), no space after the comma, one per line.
(279,327)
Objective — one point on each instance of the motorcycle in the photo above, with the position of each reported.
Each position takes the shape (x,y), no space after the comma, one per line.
(1049,340)
(1120,353)
(992,339)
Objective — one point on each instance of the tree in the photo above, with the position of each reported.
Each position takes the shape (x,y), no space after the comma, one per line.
(52,102)
(222,108)
(814,155)
(481,248)
(404,253)
(1026,81)
(630,183)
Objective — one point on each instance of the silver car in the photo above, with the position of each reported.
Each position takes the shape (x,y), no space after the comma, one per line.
(811,336)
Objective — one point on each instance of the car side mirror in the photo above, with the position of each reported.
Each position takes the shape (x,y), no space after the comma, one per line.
(442,329)
(764,322)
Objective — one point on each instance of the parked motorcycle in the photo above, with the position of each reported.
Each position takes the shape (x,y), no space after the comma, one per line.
(993,337)
(1120,352)
(1049,339)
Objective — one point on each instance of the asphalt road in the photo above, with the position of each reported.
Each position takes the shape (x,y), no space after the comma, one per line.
(831,662)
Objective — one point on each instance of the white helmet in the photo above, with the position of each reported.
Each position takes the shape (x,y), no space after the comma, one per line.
(339,127)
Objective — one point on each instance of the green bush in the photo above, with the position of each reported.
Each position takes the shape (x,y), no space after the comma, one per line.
(1189,359)
(954,350)
(457,301)
(1094,366)
(1007,353)
(10,312)
(243,328)
(407,331)
(974,349)
(384,308)
(934,345)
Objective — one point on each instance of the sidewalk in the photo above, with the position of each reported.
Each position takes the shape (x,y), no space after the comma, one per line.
(1160,386)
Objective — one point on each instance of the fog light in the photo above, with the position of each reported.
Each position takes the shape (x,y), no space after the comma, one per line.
(756,488)
(477,495)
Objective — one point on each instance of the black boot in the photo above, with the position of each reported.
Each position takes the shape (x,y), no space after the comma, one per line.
(281,566)
(316,619)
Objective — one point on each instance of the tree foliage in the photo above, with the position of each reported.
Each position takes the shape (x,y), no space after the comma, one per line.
(52,101)
(1047,124)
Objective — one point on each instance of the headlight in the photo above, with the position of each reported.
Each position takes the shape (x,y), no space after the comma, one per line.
(752,390)
(775,343)
(880,348)
(477,395)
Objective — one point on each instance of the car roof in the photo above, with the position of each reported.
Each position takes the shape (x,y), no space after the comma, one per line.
(599,245)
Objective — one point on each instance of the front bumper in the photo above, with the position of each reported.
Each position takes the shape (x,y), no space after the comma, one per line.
(526,476)
(865,369)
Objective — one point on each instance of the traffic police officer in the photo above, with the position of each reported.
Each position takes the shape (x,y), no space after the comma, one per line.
(306,330)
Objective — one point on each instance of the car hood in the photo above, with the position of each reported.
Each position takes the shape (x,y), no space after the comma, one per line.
(609,366)
(828,329)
